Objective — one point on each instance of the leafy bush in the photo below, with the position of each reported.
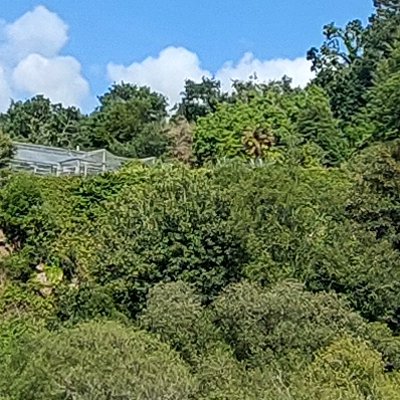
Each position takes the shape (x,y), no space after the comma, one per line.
(176,314)
(22,215)
(96,361)
(7,149)
(348,369)
(223,134)
(175,225)
(285,322)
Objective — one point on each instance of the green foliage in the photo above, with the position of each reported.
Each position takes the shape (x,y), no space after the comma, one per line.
(267,267)
(348,369)
(128,122)
(222,134)
(175,225)
(18,302)
(383,340)
(340,68)
(284,213)
(175,312)
(348,60)
(22,215)
(84,302)
(315,123)
(96,361)
(271,122)
(7,150)
(294,224)
(178,238)
(221,377)
(285,322)
(199,99)
(354,263)
(15,331)
(39,121)
(374,200)
(382,112)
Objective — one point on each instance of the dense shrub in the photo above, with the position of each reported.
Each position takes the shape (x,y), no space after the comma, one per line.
(176,225)
(285,322)
(23,216)
(174,311)
(95,361)
(348,369)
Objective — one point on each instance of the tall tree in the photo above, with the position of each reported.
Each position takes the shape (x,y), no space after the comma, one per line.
(39,121)
(129,122)
(347,61)
(200,99)
(339,69)
(265,121)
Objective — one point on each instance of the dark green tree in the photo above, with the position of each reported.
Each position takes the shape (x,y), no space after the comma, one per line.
(39,121)
(379,120)
(374,201)
(346,63)
(316,124)
(129,122)
(173,224)
(200,99)
(284,323)
(339,67)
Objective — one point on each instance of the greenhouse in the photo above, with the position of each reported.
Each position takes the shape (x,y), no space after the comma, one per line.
(44,160)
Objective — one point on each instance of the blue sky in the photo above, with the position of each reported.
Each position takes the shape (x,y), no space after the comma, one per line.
(159,43)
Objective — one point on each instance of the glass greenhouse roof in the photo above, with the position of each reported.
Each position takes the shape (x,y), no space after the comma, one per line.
(53,160)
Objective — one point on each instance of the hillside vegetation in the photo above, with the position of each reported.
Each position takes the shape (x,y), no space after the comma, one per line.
(258,259)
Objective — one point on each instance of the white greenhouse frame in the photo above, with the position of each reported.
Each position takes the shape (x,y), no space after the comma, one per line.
(45,160)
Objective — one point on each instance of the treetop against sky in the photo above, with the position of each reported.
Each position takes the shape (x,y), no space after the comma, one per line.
(71,51)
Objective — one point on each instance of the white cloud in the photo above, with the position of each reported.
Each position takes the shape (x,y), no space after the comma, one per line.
(5,91)
(30,60)
(298,69)
(165,74)
(58,78)
(168,72)
(39,31)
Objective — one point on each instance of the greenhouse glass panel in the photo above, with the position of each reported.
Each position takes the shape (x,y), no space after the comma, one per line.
(45,160)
